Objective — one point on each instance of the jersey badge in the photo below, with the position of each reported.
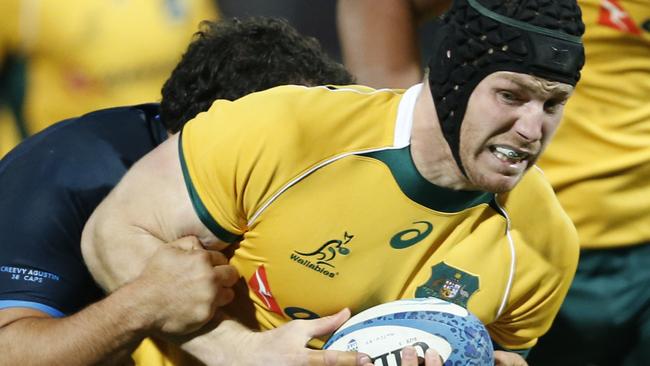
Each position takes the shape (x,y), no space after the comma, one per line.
(613,15)
(260,285)
(322,259)
(412,236)
(450,284)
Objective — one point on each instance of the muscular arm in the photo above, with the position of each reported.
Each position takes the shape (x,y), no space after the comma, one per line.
(95,334)
(151,207)
(148,208)
(379,39)
(175,280)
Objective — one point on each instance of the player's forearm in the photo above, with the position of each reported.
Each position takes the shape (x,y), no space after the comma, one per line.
(379,42)
(100,333)
(220,345)
(379,39)
(148,208)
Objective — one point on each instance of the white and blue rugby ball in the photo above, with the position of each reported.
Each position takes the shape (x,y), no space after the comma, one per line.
(383,330)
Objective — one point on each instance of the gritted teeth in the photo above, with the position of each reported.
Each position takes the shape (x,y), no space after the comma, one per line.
(508,154)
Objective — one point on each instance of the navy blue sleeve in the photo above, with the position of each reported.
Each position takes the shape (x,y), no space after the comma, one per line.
(40,261)
(49,186)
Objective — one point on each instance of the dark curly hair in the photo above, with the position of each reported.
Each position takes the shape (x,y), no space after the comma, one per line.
(231,58)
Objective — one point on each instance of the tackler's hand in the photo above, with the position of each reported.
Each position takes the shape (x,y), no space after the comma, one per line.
(182,286)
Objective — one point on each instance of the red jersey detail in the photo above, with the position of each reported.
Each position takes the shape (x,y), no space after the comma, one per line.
(614,16)
(260,285)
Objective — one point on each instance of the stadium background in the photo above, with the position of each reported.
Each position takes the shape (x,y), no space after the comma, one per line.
(314,18)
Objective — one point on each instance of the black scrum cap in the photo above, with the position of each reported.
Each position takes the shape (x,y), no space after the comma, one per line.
(479,37)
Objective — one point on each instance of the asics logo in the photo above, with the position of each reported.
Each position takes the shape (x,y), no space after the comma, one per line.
(412,236)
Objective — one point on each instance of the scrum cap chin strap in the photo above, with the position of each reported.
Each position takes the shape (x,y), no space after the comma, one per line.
(540,37)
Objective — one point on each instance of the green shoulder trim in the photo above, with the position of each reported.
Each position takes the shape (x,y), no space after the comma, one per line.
(422,191)
(198,205)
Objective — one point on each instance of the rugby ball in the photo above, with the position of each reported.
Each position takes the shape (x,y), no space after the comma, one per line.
(384,330)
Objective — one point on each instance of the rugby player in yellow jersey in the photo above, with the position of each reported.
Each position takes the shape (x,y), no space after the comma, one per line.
(346,197)
(597,164)
(51,311)
(91,54)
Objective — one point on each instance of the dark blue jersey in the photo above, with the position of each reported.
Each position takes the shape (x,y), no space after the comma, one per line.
(49,186)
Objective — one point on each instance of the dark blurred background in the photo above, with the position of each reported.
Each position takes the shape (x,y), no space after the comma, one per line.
(316,18)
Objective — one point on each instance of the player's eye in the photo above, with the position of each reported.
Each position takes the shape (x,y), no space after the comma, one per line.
(552,105)
(508,96)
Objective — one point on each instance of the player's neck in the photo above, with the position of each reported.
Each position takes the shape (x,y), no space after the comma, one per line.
(429,149)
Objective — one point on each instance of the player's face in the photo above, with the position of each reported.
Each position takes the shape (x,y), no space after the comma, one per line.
(509,120)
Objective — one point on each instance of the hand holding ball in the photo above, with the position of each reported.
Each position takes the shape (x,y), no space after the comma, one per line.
(383,330)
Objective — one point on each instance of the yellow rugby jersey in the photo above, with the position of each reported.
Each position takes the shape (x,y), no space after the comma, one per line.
(92,54)
(319,185)
(599,160)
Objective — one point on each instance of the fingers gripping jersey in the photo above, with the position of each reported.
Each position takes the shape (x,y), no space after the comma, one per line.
(320,186)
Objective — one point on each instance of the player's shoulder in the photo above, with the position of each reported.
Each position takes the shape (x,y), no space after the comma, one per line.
(105,136)
(138,112)
(535,181)
(293,119)
(536,212)
(533,197)
(338,102)
(95,123)
(295,105)
(326,91)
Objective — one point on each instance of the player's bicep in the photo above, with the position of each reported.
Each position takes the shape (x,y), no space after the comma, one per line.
(149,207)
